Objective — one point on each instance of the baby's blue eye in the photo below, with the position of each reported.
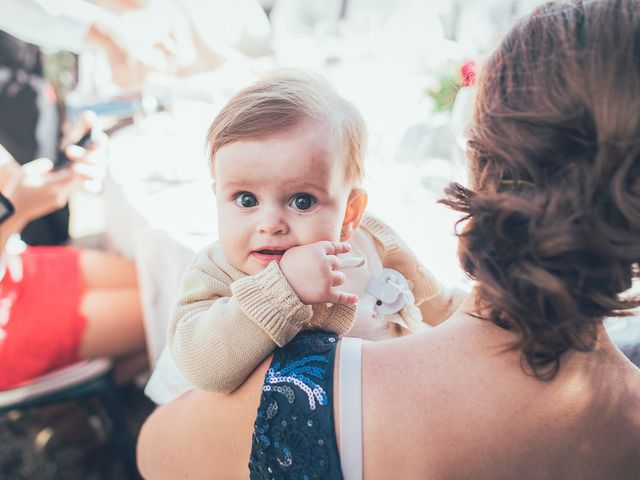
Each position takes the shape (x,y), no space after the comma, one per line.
(246,200)
(302,201)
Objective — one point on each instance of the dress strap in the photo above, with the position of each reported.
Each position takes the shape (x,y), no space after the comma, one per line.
(350,381)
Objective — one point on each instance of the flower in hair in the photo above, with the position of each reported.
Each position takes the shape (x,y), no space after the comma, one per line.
(450,83)
(468,72)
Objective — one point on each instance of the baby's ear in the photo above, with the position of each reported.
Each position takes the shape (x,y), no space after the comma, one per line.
(213,185)
(356,205)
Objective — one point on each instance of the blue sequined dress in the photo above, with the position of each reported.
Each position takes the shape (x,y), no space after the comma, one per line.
(294,435)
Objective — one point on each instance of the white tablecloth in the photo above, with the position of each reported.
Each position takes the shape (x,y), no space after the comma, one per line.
(160,207)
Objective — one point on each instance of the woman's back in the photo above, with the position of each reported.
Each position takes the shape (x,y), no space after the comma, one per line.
(465,409)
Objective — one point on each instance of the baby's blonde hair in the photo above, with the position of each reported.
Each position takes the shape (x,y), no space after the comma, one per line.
(283,100)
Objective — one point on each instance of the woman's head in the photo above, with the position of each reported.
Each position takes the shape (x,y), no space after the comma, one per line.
(553,236)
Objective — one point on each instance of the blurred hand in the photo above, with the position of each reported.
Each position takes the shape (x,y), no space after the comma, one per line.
(126,70)
(36,190)
(9,168)
(122,6)
(89,162)
(313,271)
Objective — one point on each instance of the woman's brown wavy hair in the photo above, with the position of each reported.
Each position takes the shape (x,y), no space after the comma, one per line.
(553,207)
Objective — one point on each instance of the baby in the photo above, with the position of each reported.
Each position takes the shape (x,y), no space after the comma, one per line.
(296,250)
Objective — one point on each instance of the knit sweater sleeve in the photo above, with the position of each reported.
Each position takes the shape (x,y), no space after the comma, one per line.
(435,301)
(225,323)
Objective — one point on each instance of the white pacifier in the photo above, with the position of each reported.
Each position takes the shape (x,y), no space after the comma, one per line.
(391,291)
(349,260)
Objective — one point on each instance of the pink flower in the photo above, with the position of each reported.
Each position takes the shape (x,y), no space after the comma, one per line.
(468,71)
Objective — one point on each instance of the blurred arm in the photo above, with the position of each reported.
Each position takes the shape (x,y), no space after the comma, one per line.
(52,24)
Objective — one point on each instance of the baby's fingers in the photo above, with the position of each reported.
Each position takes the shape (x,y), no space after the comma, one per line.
(337,279)
(337,248)
(343,298)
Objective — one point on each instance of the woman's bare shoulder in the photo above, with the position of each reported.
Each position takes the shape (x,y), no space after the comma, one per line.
(405,388)
(439,403)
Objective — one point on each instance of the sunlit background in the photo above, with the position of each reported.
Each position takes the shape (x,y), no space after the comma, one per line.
(400,62)
(408,65)
(162,69)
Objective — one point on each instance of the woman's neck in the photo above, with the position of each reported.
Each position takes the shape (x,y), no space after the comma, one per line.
(472,316)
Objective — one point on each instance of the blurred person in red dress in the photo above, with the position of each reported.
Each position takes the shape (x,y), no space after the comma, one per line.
(60,304)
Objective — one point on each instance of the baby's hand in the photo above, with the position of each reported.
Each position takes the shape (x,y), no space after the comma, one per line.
(313,271)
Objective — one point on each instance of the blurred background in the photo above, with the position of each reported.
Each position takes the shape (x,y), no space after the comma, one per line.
(156,72)
(165,67)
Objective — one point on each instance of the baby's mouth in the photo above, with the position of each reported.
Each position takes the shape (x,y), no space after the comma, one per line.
(270,252)
(268,255)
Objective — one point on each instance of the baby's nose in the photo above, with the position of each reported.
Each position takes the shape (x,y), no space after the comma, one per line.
(272,222)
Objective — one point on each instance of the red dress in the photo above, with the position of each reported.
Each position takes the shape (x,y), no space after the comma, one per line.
(40,321)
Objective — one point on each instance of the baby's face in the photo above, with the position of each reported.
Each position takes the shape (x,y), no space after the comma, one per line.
(278,192)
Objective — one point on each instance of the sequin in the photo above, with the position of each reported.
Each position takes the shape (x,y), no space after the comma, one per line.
(287,460)
(284,390)
(265,440)
(294,436)
(300,374)
(272,409)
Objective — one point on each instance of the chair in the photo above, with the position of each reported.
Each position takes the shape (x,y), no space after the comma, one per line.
(79,382)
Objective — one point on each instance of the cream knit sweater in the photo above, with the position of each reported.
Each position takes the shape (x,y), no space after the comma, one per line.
(226,322)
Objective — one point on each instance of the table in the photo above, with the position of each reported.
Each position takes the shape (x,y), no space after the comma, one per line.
(160,207)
